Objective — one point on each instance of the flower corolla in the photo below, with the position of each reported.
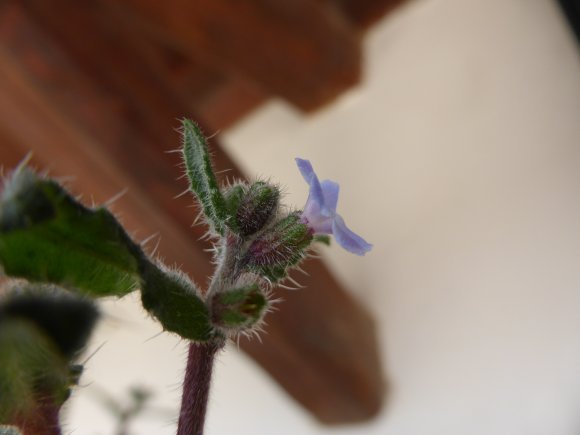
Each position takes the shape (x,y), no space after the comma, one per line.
(320,215)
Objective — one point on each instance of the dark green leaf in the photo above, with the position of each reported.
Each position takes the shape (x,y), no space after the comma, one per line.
(174,300)
(47,236)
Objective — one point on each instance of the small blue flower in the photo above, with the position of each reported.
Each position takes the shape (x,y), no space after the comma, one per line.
(320,211)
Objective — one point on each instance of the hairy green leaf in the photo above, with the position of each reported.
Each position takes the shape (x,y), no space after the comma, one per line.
(48,236)
(173,299)
(202,179)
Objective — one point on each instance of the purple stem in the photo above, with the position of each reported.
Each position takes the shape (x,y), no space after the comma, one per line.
(196,387)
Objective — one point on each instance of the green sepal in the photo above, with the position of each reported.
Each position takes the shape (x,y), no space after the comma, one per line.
(48,236)
(322,238)
(202,180)
(238,309)
(175,302)
(279,248)
(275,273)
(233,197)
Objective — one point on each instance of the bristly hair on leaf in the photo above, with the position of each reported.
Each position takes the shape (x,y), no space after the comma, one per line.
(202,179)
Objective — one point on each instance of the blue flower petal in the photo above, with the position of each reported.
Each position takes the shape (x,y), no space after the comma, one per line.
(347,239)
(315,200)
(330,192)
(305,168)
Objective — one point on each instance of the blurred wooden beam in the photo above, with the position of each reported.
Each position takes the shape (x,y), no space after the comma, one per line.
(364,13)
(301,50)
(76,88)
(11,153)
(219,98)
(31,119)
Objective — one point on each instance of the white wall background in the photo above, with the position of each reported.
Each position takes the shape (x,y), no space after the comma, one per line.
(459,158)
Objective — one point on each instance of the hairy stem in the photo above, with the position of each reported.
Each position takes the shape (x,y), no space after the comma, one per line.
(196,387)
(201,356)
(227,269)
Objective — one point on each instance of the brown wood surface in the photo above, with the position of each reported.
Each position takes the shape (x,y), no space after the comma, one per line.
(90,100)
(302,50)
(364,13)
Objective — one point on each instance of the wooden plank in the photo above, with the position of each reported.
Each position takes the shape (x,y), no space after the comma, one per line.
(33,122)
(217,98)
(74,90)
(364,13)
(12,155)
(228,103)
(300,50)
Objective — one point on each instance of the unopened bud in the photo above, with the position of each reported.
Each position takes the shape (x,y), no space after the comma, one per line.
(238,309)
(252,207)
(281,247)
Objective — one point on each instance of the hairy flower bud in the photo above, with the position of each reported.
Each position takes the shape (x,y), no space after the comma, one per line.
(279,248)
(238,309)
(252,207)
